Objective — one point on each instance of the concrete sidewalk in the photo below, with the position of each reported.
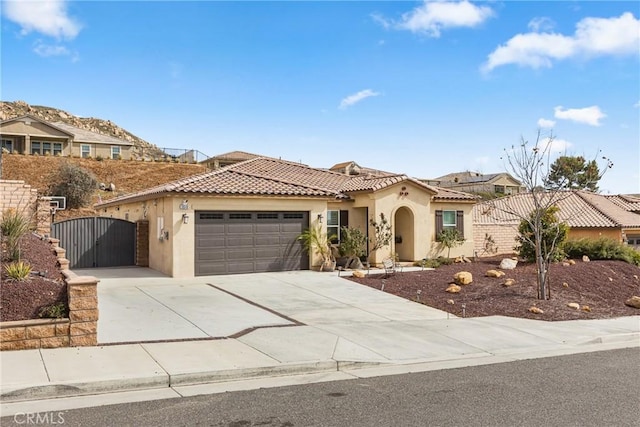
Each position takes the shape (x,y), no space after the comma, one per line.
(328,329)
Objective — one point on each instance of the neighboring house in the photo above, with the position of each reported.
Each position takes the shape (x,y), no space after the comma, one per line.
(500,184)
(587,214)
(246,217)
(227,159)
(352,168)
(30,135)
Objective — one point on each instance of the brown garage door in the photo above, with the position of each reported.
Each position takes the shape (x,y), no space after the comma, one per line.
(249,242)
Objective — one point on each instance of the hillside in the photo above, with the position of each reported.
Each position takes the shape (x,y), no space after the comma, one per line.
(9,110)
(127,176)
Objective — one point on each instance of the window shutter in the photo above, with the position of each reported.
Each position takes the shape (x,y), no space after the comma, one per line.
(344,221)
(460,222)
(438,224)
(344,218)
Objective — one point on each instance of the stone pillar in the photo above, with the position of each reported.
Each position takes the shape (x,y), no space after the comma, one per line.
(83,309)
(142,243)
(27,144)
(43,215)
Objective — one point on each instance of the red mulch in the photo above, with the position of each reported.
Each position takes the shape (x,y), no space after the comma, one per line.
(602,286)
(25,300)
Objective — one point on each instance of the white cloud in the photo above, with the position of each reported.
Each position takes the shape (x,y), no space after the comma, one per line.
(553,145)
(589,115)
(637,104)
(593,37)
(50,50)
(357,97)
(541,24)
(546,123)
(432,17)
(47,17)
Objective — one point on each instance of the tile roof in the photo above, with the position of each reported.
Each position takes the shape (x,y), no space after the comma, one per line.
(579,209)
(628,202)
(83,135)
(270,177)
(235,155)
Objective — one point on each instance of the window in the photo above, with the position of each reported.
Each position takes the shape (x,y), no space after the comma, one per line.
(333,225)
(7,144)
(499,189)
(57,149)
(36,147)
(335,221)
(449,220)
(46,148)
(115,152)
(85,151)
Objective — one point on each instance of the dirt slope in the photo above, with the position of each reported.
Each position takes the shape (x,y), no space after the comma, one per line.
(128,175)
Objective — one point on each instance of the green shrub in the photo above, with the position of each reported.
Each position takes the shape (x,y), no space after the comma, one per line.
(14,225)
(553,234)
(18,271)
(99,158)
(55,311)
(74,183)
(601,248)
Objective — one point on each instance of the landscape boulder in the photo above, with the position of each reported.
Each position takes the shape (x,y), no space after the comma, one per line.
(508,264)
(462,278)
(634,302)
(535,310)
(358,273)
(453,289)
(574,305)
(494,273)
(509,282)
(585,258)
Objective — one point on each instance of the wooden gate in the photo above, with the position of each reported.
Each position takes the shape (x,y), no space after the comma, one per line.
(97,241)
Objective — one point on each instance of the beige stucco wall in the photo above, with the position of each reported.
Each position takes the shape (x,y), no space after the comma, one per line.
(103,150)
(35,129)
(176,256)
(411,215)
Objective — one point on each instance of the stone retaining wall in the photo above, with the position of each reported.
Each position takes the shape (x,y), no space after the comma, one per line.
(23,199)
(80,329)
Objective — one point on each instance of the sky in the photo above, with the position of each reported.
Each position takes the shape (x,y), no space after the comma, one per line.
(424,88)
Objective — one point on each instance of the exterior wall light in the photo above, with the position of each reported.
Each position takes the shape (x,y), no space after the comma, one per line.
(320,218)
(185,218)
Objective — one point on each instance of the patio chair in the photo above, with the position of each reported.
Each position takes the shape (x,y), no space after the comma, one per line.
(389,266)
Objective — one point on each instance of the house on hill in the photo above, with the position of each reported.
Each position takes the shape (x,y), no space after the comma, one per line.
(500,184)
(588,215)
(30,135)
(246,217)
(227,159)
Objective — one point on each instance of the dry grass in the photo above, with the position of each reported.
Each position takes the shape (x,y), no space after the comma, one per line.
(128,175)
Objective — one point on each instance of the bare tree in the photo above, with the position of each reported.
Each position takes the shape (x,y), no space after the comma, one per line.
(532,165)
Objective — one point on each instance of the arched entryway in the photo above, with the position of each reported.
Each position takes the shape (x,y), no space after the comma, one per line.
(403,226)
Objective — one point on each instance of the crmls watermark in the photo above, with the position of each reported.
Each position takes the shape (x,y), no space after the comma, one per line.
(34,418)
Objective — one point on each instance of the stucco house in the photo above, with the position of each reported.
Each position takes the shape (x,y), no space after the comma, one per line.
(500,184)
(245,217)
(30,135)
(587,214)
(227,159)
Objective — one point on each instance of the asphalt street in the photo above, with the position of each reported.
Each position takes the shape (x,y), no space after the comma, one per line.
(592,389)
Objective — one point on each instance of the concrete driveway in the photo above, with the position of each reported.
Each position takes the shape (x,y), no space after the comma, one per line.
(142,305)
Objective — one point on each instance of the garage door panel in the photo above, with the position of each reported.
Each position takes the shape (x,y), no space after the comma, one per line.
(216,255)
(210,242)
(239,228)
(239,241)
(246,242)
(269,240)
(267,228)
(209,229)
